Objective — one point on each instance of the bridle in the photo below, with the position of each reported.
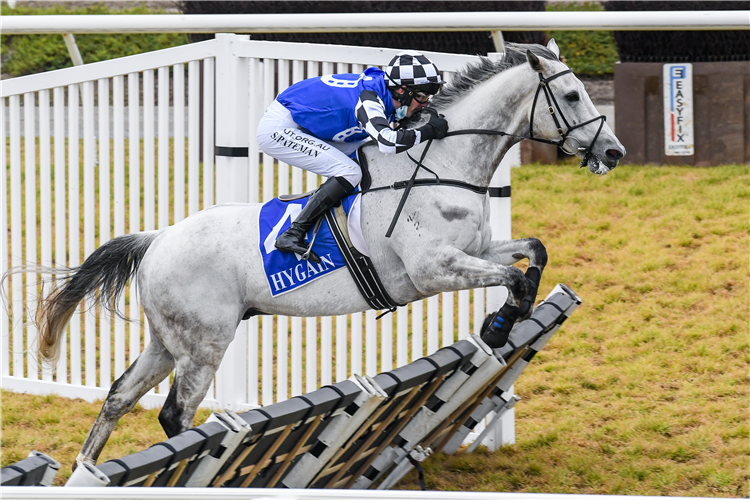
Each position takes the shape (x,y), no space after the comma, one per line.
(568,144)
(564,135)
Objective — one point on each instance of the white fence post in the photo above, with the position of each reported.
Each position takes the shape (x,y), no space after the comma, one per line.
(500,205)
(231,145)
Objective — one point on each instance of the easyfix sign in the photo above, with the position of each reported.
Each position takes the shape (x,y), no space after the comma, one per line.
(679,139)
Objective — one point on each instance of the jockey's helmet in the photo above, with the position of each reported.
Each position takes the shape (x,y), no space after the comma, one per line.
(415,71)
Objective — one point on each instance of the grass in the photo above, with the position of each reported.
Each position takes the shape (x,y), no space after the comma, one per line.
(643,391)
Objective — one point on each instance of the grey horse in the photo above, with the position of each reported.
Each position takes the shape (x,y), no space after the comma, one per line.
(199,278)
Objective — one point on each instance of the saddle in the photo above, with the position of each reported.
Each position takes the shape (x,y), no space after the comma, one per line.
(359,265)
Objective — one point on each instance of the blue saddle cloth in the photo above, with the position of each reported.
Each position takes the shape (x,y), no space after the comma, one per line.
(287,271)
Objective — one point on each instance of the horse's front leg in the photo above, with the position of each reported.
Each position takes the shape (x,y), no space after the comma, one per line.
(508,252)
(452,269)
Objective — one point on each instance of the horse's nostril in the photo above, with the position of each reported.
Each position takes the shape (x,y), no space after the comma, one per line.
(614,154)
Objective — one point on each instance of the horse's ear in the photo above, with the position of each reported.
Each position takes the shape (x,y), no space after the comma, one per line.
(536,65)
(552,45)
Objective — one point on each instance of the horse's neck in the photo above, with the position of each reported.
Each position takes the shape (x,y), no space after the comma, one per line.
(502,104)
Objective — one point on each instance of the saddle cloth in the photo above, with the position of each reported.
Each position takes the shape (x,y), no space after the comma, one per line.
(338,242)
(287,271)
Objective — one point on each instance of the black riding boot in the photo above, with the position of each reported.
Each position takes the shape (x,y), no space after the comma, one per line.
(328,194)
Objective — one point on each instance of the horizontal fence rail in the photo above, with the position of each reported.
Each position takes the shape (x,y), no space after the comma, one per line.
(373,22)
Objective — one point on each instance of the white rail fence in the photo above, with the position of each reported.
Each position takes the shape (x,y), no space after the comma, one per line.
(381,21)
(97,179)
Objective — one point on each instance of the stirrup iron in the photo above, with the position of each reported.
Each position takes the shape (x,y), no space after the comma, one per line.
(309,254)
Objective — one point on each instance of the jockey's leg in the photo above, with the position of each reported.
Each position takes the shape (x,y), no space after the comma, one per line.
(293,239)
(279,136)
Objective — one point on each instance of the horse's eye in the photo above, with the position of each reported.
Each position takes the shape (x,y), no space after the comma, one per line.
(572,96)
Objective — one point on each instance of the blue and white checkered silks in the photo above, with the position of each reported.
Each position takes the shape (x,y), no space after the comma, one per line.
(411,68)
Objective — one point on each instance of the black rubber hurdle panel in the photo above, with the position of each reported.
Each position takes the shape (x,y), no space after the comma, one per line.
(542,319)
(359,433)
(340,431)
(327,405)
(407,388)
(169,463)
(425,415)
(36,470)
(281,433)
(527,338)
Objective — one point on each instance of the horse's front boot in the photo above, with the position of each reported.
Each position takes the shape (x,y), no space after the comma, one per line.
(496,328)
(328,194)
(533,277)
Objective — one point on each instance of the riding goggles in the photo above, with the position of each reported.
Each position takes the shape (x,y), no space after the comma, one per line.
(421,97)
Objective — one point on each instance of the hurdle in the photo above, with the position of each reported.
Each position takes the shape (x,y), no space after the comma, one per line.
(361,433)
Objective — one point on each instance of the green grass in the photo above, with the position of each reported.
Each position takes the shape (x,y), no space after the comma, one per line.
(643,391)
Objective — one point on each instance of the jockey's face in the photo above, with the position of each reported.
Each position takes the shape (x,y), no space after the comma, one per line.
(414,106)
(415,102)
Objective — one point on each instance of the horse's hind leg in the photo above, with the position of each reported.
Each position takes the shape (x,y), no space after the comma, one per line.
(191,382)
(150,368)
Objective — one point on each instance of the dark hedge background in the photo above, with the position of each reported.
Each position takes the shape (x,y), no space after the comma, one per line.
(458,42)
(681,46)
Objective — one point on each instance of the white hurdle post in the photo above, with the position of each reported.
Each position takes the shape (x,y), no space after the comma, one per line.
(505,433)
(500,222)
(232,133)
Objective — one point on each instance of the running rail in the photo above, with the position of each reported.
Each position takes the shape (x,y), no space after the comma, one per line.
(379,22)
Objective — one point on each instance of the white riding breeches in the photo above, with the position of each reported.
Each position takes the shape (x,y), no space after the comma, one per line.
(279,136)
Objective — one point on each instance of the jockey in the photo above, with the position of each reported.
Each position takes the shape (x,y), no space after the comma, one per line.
(319,123)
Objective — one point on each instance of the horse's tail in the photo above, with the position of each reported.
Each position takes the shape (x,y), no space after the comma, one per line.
(107,270)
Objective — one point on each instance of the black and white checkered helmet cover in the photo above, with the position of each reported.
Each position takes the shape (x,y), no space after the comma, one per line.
(411,68)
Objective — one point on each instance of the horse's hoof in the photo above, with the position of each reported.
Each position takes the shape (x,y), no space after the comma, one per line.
(496,328)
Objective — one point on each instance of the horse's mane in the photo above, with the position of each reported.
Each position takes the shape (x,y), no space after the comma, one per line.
(474,74)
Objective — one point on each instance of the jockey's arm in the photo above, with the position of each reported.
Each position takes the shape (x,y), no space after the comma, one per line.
(370,113)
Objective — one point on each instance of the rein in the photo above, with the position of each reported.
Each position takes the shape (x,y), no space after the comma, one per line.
(552,104)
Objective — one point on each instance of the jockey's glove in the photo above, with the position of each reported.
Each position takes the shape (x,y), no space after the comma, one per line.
(436,128)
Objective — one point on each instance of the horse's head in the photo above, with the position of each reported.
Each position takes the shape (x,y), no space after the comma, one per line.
(562,113)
